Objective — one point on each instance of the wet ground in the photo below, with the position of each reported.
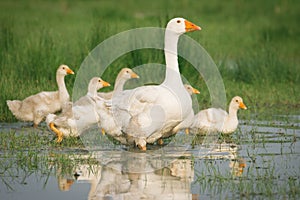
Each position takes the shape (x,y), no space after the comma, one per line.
(261,160)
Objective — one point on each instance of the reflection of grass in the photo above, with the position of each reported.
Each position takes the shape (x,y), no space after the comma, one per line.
(20,157)
(256,47)
(271,169)
(36,154)
(257,183)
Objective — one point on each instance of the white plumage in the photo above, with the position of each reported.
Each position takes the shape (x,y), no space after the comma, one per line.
(146,113)
(106,117)
(218,120)
(36,107)
(81,115)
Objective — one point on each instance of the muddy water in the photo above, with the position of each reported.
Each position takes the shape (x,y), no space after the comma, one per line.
(261,160)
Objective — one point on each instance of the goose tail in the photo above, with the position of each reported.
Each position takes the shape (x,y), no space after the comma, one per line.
(14,106)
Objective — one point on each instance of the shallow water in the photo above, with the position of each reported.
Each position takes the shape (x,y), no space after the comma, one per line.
(261,160)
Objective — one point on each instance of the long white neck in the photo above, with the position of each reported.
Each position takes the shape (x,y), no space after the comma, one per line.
(231,122)
(172,77)
(62,90)
(119,85)
(232,112)
(92,90)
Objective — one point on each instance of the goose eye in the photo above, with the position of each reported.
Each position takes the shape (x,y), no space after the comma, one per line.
(63,68)
(237,101)
(99,81)
(178,21)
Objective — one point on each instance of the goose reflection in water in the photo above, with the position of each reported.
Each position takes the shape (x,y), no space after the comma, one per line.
(134,176)
(151,175)
(223,149)
(169,182)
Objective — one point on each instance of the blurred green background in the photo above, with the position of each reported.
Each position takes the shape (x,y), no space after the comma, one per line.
(255,45)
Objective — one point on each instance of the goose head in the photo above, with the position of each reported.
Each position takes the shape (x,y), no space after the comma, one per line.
(97,83)
(181,25)
(64,70)
(191,90)
(127,73)
(237,103)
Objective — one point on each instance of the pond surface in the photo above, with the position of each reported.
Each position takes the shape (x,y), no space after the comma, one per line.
(260,161)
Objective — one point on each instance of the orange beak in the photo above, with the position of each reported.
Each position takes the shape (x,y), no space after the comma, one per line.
(105,84)
(69,71)
(242,106)
(189,26)
(195,91)
(134,75)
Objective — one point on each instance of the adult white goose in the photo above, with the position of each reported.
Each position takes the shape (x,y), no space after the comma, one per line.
(75,119)
(218,120)
(36,107)
(124,75)
(146,113)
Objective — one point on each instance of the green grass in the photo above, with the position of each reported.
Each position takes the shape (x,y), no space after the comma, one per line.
(31,153)
(254,44)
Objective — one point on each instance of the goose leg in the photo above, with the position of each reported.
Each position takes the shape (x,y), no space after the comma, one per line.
(160,141)
(58,133)
(143,148)
(38,117)
(187,131)
(35,125)
(36,122)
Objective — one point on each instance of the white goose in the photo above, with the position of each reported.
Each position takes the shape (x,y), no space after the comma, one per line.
(218,120)
(191,90)
(124,75)
(107,122)
(36,107)
(75,119)
(146,113)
